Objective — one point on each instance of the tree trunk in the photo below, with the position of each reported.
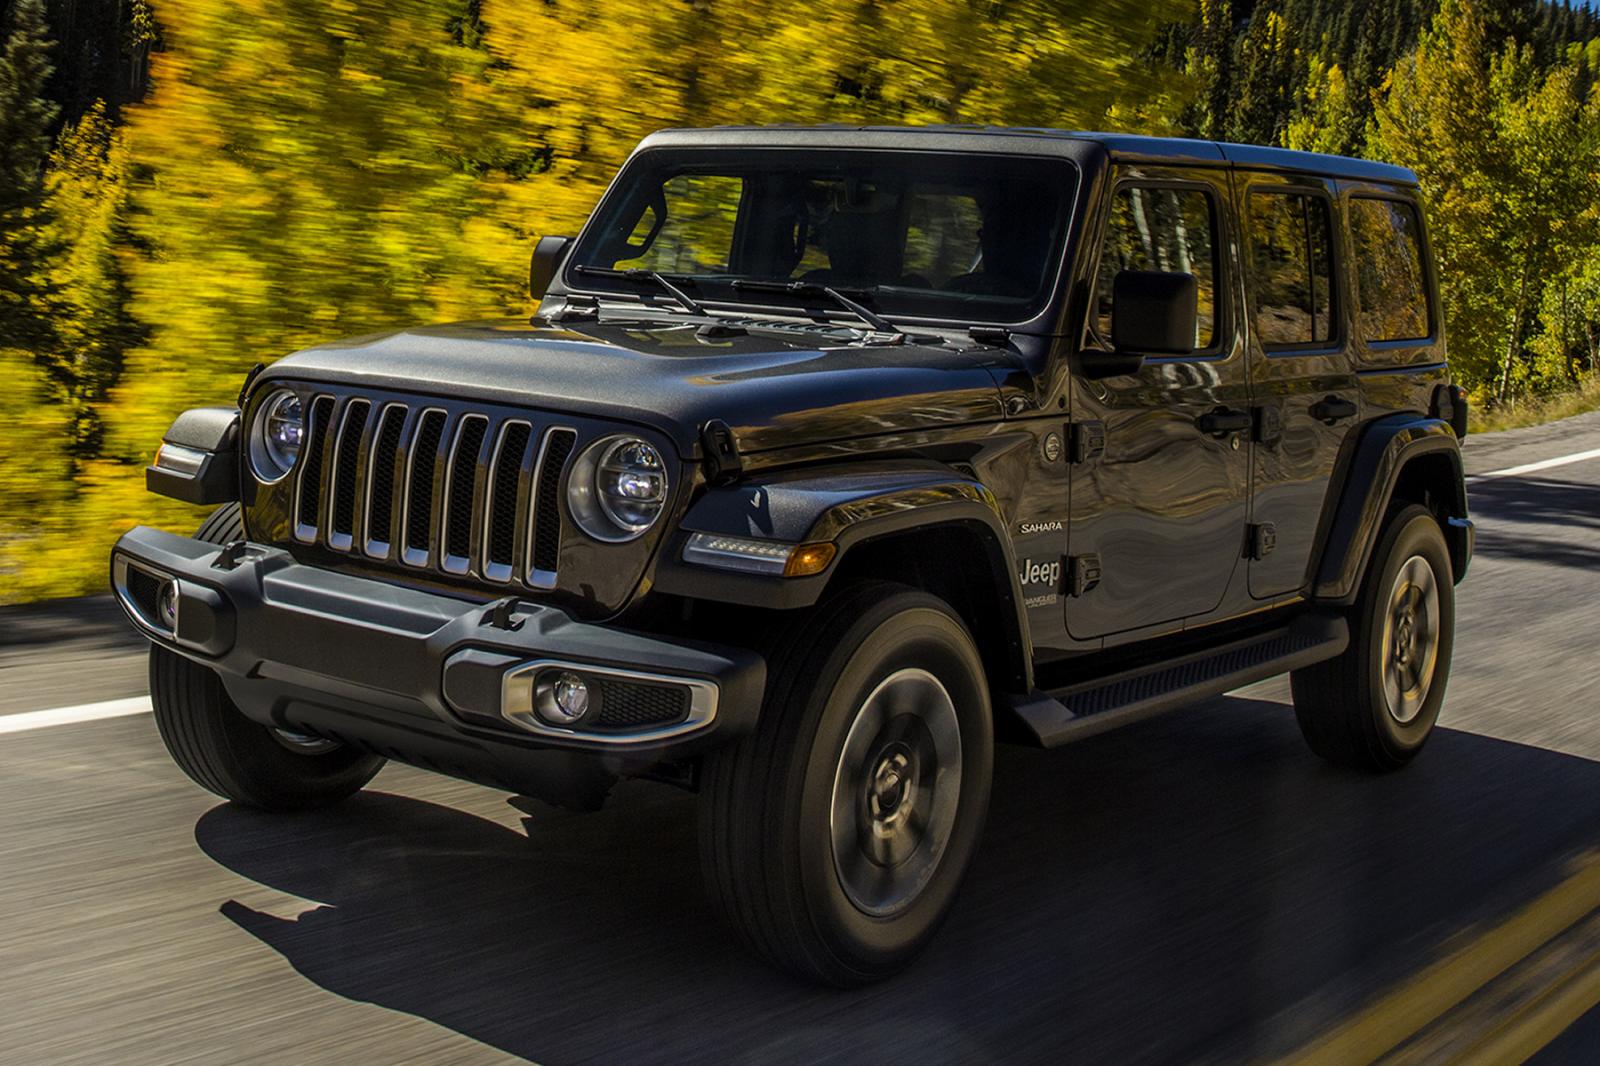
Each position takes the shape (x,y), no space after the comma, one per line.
(1515,340)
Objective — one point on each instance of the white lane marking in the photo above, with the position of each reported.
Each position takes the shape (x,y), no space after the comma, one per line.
(1531,468)
(84,712)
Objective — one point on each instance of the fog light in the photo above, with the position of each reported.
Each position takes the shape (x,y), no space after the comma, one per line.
(563,698)
(167,605)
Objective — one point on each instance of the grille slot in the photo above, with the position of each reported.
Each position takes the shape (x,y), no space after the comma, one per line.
(347,460)
(500,536)
(308,490)
(379,519)
(545,544)
(460,487)
(422,464)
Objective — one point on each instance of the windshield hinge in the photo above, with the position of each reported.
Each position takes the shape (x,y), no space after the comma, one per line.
(249,379)
(995,336)
(721,452)
(577,308)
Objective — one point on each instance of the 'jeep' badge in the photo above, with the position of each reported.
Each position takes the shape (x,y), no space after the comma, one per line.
(1046,573)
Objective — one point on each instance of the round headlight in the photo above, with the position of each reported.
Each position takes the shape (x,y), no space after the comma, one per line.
(276,436)
(618,488)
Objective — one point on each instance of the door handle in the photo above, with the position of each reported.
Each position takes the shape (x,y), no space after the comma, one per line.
(1222,420)
(1333,409)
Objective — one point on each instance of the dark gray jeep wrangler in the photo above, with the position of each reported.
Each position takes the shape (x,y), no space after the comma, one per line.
(830,457)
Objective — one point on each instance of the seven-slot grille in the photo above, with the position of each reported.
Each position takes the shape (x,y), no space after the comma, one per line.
(463,492)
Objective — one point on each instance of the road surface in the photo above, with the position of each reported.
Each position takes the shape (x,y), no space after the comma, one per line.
(1195,887)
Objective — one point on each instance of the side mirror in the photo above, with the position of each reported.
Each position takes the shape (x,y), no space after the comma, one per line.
(547,256)
(1152,313)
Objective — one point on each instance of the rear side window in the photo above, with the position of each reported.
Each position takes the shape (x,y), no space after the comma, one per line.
(1386,239)
(1291,243)
(1165,229)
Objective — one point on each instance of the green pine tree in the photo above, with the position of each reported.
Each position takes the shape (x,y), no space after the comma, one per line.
(87,180)
(26,116)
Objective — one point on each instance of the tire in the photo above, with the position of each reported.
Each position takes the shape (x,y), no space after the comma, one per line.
(1374,706)
(873,700)
(226,753)
(222,526)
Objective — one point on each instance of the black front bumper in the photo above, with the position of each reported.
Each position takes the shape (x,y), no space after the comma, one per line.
(413,674)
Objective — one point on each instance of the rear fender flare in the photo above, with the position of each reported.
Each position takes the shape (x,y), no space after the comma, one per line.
(1385,448)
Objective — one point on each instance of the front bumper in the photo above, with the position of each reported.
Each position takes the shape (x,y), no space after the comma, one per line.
(427,678)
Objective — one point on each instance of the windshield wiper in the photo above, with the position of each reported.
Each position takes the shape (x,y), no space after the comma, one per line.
(683,299)
(811,288)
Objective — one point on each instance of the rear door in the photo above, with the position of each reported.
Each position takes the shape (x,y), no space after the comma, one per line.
(1306,392)
(1162,510)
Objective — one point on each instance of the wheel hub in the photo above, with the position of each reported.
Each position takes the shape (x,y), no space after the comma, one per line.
(890,784)
(1410,644)
(895,792)
(304,743)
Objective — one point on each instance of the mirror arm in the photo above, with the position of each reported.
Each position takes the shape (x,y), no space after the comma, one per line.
(1097,363)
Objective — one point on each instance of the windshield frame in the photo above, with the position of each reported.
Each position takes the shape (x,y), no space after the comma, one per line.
(1039,314)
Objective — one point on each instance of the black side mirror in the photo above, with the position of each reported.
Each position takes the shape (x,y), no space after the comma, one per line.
(1152,313)
(547,255)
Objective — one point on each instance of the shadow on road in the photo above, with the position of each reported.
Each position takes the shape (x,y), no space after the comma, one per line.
(1549,505)
(1144,896)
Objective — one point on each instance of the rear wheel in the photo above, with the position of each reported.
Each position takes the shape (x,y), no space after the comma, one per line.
(835,837)
(238,759)
(1375,705)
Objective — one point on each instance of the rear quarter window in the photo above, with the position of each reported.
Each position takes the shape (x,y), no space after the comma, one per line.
(1391,285)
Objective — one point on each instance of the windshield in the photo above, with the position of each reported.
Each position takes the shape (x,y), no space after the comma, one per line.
(922,235)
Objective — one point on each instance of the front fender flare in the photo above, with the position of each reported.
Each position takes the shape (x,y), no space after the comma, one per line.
(847,506)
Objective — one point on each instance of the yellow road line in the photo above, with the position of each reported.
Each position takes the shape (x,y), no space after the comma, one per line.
(1521,1035)
(1407,1010)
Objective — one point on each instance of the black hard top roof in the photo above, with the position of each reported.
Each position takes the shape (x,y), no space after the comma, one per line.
(1121,147)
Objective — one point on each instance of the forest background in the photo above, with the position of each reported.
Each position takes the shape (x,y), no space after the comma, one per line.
(188,187)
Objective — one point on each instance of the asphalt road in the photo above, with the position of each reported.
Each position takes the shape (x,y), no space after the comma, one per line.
(1195,887)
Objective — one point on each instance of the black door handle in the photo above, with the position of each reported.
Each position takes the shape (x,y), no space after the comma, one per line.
(1223,421)
(1333,409)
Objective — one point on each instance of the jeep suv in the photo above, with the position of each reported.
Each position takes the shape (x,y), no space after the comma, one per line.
(830,457)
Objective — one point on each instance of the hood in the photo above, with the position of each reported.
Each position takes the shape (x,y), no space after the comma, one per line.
(772,391)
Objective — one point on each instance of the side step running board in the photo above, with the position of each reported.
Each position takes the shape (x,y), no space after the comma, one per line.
(1103,703)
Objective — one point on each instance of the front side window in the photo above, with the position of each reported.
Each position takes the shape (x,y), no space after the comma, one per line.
(917,234)
(1291,242)
(697,237)
(1386,239)
(1166,229)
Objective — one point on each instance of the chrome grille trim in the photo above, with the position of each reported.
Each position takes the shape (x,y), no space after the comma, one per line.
(439,487)
(381,461)
(491,569)
(538,488)
(450,516)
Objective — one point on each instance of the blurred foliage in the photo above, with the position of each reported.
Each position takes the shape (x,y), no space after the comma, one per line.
(188,187)
(276,174)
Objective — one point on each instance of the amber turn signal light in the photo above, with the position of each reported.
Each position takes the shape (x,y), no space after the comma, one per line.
(809,559)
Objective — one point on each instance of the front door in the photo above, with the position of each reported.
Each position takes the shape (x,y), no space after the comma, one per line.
(1163,509)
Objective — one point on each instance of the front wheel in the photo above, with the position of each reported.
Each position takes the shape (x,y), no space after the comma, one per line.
(240,760)
(835,837)
(223,751)
(1375,705)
